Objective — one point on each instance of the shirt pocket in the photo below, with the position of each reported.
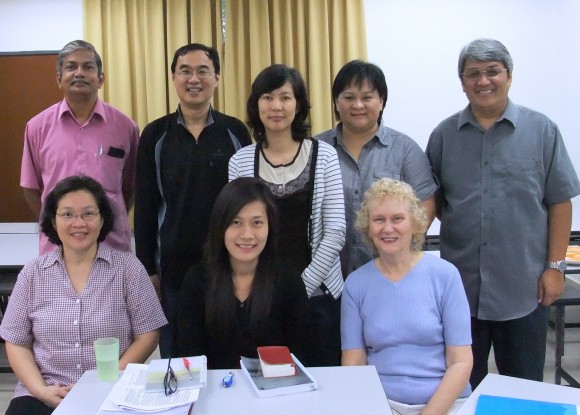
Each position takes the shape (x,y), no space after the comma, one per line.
(521,176)
(111,173)
(382,174)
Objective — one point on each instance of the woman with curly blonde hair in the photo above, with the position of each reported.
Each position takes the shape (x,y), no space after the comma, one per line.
(406,312)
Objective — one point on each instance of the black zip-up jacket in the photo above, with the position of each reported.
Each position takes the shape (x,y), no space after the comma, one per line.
(177,181)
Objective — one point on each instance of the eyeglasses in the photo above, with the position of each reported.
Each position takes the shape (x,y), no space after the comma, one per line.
(88,216)
(170,381)
(475,73)
(201,73)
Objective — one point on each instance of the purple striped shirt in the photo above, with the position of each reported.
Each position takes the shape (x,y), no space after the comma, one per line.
(46,312)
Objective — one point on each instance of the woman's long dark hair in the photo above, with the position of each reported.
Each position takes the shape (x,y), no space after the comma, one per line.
(220,309)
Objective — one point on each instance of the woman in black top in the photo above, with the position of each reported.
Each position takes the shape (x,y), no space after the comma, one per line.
(240,298)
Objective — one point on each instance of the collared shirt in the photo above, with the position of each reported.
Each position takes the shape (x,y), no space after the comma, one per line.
(389,154)
(496,187)
(46,312)
(56,146)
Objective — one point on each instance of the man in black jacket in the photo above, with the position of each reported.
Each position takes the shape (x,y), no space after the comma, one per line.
(182,164)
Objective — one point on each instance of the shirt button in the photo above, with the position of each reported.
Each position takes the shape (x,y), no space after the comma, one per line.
(82,171)
(77,301)
(356,192)
(78,366)
(76,322)
(485,163)
(77,345)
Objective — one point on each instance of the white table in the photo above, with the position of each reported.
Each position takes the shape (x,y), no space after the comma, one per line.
(342,390)
(573,275)
(18,244)
(499,385)
(19,227)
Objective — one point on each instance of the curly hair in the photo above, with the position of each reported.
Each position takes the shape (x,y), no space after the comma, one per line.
(393,189)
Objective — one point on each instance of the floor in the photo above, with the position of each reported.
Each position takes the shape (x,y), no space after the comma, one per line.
(571,360)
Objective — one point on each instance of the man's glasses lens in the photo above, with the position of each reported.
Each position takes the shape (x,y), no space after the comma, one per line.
(200,73)
(170,381)
(475,73)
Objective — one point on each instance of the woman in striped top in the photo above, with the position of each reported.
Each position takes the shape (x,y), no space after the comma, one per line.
(304,176)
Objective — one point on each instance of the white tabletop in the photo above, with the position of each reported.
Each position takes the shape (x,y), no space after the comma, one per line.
(19,227)
(574,279)
(342,390)
(499,385)
(16,249)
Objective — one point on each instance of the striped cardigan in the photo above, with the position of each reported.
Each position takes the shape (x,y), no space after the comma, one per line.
(327,215)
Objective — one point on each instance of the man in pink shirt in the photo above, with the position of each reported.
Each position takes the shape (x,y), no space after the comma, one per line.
(81,135)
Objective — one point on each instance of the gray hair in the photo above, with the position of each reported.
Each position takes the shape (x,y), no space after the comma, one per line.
(485,50)
(73,47)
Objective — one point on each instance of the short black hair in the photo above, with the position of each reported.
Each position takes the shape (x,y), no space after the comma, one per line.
(211,53)
(271,78)
(358,72)
(73,184)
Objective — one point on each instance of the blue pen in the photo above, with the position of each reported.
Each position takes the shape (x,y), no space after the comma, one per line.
(228,380)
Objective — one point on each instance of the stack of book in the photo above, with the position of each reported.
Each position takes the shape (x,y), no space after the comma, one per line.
(277,372)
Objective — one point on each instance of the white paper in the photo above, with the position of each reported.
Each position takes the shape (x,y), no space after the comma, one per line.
(128,393)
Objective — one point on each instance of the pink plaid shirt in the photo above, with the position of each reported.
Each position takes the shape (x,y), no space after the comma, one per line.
(56,146)
(61,325)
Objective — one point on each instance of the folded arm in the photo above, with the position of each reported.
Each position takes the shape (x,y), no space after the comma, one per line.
(22,362)
(354,357)
(459,361)
(142,347)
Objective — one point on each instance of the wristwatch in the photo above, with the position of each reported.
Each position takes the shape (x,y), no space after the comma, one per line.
(558,265)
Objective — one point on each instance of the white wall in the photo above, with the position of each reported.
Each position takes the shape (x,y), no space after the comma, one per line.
(416,43)
(39,25)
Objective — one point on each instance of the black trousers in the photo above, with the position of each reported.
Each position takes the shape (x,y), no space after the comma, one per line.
(322,346)
(519,346)
(28,405)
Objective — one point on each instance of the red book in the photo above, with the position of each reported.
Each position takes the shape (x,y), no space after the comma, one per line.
(276,361)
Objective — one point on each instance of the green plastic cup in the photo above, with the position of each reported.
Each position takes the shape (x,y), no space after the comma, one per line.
(107,355)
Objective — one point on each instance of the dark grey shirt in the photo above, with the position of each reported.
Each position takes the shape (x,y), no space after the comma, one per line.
(388,154)
(495,189)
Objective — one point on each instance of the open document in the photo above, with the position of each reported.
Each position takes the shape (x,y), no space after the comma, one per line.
(129,394)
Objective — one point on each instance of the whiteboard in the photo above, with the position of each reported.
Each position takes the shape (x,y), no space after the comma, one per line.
(417,44)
